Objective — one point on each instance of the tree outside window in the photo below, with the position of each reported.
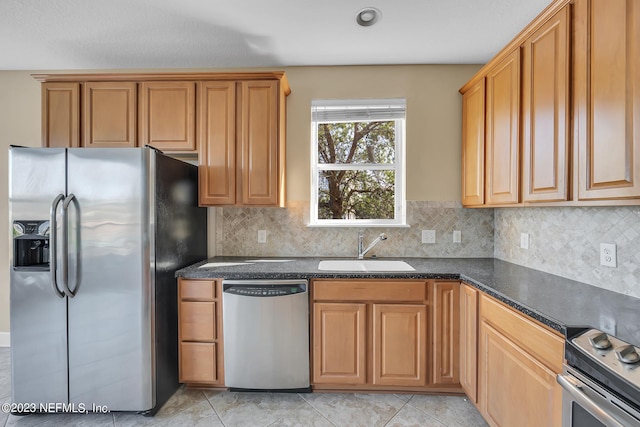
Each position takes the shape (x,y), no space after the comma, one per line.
(357,163)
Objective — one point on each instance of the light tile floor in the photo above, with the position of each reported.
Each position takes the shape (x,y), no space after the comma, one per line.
(220,408)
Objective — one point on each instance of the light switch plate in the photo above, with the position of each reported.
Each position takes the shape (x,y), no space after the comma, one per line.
(524,240)
(608,255)
(428,236)
(262,236)
(457,236)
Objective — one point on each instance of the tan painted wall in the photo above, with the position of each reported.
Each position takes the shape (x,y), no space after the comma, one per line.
(433,129)
(19,125)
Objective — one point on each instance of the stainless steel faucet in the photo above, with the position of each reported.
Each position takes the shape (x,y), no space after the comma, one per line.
(362,252)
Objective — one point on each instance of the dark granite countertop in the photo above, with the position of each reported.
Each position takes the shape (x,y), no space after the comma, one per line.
(553,300)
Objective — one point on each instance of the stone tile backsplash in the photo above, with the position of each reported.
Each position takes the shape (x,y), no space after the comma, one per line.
(288,234)
(566,242)
(563,241)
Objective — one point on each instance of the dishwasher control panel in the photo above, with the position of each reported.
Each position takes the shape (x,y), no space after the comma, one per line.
(264,290)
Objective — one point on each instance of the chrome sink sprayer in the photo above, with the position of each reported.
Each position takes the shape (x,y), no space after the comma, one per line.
(362,252)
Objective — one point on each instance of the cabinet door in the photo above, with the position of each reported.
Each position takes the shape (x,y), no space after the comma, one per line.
(515,389)
(545,103)
(217,143)
(197,321)
(198,363)
(167,115)
(339,344)
(469,341)
(109,118)
(399,345)
(473,117)
(446,330)
(607,94)
(61,115)
(259,143)
(503,131)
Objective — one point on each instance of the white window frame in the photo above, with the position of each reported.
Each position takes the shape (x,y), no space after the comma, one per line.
(357,106)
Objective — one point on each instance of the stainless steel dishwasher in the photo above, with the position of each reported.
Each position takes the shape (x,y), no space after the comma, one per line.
(266,334)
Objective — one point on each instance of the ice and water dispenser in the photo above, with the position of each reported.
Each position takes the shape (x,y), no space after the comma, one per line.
(31,245)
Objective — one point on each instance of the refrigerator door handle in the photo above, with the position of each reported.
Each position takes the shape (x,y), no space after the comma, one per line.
(53,260)
(65,245)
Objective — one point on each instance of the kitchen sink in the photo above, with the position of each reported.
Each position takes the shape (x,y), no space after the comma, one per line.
(364,265)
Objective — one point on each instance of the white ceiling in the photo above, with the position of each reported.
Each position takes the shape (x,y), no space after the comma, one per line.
(103,34)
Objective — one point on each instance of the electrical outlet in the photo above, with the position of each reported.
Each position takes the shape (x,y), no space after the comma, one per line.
(524,240)
(608,255)
(457,236)
(428,236)
(262,236)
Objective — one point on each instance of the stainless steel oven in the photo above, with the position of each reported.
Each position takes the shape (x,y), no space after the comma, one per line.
(600,382)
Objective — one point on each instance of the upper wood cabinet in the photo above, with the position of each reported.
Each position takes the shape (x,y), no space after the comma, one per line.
(242,142)
(503,131)
(109,114)
(236,121)
(217,148)
(61,114)
(473,137)
(546,110)
(167,115)
(578,99)
(260,143)
(607,98)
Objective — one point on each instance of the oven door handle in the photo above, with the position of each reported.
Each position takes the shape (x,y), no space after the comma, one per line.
(574,388)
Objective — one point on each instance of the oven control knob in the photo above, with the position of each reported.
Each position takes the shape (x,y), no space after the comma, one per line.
(627,354)
(600,341)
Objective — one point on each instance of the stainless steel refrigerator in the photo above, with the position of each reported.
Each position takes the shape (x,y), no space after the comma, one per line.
(97,237)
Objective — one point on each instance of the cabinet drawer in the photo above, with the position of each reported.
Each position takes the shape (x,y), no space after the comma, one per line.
(370,290)
(201,290)
(198,363)
(538,341)
(197,321)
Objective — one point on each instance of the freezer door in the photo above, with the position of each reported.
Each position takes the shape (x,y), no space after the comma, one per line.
(38,314)
(110,324)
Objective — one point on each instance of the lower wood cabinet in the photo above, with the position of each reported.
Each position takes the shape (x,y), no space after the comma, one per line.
(518,360)
(469,341)
(200,332)
(339,337)
(399,344)
(380,335)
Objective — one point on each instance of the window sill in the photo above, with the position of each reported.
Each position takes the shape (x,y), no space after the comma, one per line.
(352,225)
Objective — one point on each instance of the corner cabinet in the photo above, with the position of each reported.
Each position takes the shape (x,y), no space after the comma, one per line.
(200,350)
(518,360)
(378,335)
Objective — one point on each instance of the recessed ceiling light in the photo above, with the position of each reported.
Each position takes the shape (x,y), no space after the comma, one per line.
(368,16)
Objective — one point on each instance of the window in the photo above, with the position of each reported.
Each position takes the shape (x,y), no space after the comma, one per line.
(357,162)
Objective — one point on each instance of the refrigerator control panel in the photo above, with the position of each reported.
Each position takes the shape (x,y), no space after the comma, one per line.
(31,245)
